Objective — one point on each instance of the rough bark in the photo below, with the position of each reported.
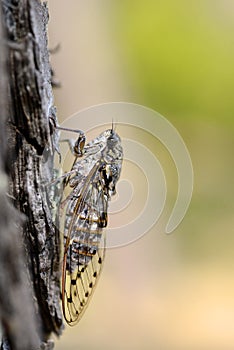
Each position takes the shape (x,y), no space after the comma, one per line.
(29,240)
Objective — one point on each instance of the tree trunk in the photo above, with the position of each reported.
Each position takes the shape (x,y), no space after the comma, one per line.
(29,239)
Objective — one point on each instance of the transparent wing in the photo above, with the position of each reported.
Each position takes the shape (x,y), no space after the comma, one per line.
(86,216)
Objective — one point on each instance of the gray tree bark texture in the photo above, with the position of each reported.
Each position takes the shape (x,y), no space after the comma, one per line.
(29,239)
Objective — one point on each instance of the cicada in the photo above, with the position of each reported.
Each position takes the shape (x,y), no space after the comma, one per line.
(91,181)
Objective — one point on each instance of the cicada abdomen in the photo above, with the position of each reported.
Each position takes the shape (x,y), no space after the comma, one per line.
(92,182)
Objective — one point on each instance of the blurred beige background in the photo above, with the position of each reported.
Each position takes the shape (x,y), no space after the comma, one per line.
(162,292)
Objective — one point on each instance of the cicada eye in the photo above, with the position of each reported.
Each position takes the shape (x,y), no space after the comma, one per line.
(79,145)
(113,190)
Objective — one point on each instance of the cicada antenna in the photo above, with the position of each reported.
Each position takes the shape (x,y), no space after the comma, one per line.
(113,126)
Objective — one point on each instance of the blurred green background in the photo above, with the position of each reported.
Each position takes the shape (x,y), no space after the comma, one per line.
(162,292)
